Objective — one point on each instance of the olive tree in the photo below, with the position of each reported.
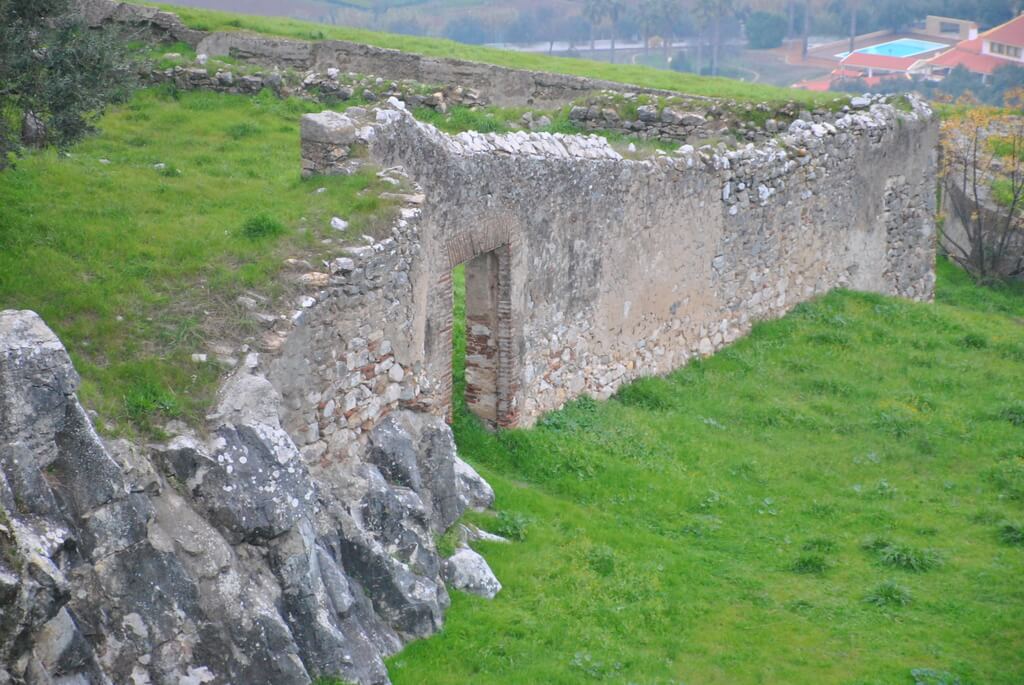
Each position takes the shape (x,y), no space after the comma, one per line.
(56,75)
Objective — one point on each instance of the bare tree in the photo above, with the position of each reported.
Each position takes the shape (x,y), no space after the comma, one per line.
(984,187)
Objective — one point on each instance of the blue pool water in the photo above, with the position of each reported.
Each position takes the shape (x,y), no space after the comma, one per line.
(904,47)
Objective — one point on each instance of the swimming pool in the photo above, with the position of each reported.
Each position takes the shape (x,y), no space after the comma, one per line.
(903,47)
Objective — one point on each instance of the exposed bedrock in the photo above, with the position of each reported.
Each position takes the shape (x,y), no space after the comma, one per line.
(222,559)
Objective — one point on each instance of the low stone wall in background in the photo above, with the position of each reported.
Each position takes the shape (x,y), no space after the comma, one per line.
(689,119)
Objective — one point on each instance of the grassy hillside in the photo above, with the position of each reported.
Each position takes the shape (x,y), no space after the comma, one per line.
(210,20)
(837,498)
(137,266)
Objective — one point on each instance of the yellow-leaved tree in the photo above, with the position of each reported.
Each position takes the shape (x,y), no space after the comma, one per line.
(982,227)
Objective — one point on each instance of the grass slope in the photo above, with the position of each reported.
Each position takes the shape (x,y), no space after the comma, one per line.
(136,268)
(211,20)
(836,498)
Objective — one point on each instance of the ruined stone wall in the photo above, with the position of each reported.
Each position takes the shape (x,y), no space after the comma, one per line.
(496,85)
(688,118)
(586,270)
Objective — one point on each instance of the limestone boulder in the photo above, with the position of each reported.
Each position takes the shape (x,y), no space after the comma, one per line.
(466,570)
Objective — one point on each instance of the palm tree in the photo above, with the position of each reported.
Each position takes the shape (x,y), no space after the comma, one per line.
(615,8)
(595,11)
(712,11)
(649,13)
(852,6)
(668,13)
(379,8)
(806,30)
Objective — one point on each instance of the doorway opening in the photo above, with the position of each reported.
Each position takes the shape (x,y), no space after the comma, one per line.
(482,337)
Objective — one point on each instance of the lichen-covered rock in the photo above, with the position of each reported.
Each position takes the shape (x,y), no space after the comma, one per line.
(466,570)
(473,491)
(227,560)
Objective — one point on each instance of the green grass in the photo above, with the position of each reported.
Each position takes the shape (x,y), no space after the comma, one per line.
(1002,192)
(834,499)
(137,267)
(210,20)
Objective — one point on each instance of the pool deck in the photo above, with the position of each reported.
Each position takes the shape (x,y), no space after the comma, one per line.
(829,52)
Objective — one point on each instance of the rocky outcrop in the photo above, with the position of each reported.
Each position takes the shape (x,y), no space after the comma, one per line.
(225,558)
(138,22)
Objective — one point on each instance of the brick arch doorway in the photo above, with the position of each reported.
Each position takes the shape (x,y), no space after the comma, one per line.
(489,337)
(491,361)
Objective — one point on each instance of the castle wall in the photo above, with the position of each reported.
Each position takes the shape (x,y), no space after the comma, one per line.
(619,268)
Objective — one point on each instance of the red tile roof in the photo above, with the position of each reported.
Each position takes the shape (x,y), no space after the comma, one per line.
(869,61)
(968,55)
(820,85)
(1010,33)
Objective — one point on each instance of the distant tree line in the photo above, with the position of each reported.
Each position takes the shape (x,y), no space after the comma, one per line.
(766,23)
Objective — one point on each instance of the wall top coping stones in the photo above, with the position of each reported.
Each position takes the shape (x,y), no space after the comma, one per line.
(801,138)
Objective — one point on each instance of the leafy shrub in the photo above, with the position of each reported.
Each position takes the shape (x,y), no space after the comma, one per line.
(1008,477)
(1013,352)
(929,676)
(447,543)
(883,490)
(765,30)
(973,341)
(148,397)
(243,130)
(824,545)
(833,337)
(511,525)
(810,564)
(1011,534)
(889,594)
(601,560)
(647,393)
(898,423)
(903,556)
(1014,413)
(262,226)
(577,415)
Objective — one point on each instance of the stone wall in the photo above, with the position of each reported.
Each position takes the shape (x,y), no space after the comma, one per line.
(687,118)
(495,85)
(329,87)
(587,270)
(138,22)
